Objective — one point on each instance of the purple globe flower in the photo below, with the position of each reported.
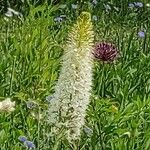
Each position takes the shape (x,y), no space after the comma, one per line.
(22,138)
(29,144)
(106,52)
(138,4)
(141,34)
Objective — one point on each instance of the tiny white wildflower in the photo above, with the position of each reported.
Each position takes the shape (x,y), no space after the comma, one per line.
(94,18)
(13,11)
(8,14)
(7,105)
(74,6)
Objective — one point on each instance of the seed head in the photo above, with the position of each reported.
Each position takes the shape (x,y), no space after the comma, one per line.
(7,105)
(104,51)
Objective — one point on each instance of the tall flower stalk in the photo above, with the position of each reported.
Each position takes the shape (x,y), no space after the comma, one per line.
(72,92)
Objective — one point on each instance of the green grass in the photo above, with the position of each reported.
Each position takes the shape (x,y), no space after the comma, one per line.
(30,56)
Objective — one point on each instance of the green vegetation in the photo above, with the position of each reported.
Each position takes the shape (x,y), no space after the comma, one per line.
(118,117)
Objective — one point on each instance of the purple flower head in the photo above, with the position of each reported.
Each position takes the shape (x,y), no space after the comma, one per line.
(94,2)
(141,34)
(104,51)
(22,138)
(74,6)
(29,144)
(138,4)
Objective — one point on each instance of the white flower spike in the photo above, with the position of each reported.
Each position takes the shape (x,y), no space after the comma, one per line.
(72,92)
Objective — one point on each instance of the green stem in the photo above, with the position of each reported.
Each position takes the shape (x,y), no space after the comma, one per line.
(12,76)
(38,141)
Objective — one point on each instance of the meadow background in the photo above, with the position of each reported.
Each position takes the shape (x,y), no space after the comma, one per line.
(31,46)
